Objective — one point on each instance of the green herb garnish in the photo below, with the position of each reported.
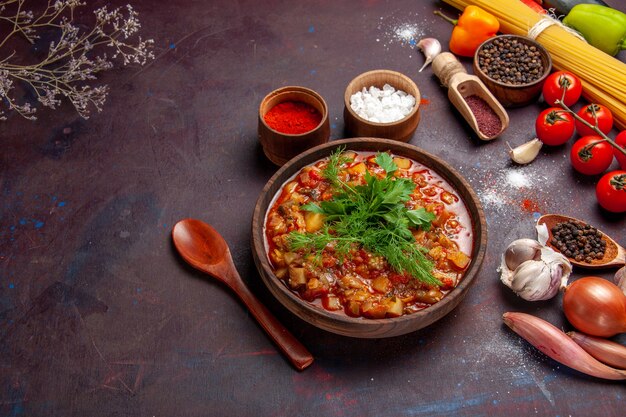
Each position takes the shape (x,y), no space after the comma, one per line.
(374,216)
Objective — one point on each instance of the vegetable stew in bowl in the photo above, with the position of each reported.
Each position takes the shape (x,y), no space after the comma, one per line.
(368,238)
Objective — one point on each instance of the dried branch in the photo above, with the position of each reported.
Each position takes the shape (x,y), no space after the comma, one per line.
(73,60)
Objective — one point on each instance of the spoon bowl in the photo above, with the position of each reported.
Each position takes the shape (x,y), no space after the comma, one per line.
(206,250)
(209,251)
(614,255)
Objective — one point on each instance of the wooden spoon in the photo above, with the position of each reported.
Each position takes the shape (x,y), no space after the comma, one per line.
(462,85)
(205,249)
(615,255)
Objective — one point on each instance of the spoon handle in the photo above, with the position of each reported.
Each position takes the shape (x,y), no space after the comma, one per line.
(299,356)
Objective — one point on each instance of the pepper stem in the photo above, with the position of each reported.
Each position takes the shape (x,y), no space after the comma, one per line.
(446,18)
(589,125)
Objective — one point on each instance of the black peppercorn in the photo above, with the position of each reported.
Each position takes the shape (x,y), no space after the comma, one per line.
(581,242)
(511,62)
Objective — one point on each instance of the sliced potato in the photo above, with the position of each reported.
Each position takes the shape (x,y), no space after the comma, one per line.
(350,281)
(402,163)
(359,295)
(331,302)
(357,169)
(428,297)
(459,259)
(313,284)
(446,242)
(381,284)
(313,221)
(277,258)
(373,309)
(353,308)
(395,306)
(296,277)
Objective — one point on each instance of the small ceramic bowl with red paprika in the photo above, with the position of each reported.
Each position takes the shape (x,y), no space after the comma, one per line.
(292,119)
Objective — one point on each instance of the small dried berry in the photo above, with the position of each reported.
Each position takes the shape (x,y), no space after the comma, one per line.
(581,242)
(510,61)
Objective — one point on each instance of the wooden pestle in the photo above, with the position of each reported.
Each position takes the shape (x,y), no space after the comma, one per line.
(461,85)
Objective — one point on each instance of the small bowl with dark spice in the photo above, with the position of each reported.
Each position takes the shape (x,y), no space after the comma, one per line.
(513,67)
(382,104)
(292,119)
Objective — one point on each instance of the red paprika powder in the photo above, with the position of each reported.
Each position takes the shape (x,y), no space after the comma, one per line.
(293,117)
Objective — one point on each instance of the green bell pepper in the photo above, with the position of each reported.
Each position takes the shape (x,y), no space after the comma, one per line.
(603,27)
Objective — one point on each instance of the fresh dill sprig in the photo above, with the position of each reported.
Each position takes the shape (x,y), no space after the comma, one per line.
(331,171)
(373,216)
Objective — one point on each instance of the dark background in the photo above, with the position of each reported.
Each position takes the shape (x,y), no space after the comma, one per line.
(100,317)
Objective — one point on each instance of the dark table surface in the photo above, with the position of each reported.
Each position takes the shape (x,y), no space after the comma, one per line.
(100,317)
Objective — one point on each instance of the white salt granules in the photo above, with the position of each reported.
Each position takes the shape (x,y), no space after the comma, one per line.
(382,106)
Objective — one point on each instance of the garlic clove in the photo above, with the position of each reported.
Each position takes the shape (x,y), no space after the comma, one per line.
(521,250)
(525,153)
(431,48)
(556,260)
(531,281)
(557,281)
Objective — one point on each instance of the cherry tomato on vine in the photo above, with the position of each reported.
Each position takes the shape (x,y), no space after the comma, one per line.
(611,191)
(554,126)
(591,155)
(620,139)
(558,82)
(589,113)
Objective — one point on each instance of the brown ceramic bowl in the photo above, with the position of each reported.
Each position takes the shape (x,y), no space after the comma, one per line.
(280,147)
(341,323)
(515,95)
(401,130)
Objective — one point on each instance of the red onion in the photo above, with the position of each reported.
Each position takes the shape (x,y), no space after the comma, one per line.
(595,306)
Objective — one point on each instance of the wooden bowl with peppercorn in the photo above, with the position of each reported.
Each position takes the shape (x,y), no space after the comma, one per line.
(403,247)
(292,119)
(513,68)
(382,104)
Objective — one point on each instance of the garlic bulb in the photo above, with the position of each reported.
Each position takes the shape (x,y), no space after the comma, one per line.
(431,48)
(534,271)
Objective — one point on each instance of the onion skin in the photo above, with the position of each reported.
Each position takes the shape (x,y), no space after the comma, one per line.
(558,346)
(605,351)
(620,279)
(595,306)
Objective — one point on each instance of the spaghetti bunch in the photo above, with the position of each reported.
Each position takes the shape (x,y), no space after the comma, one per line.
(603,77)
